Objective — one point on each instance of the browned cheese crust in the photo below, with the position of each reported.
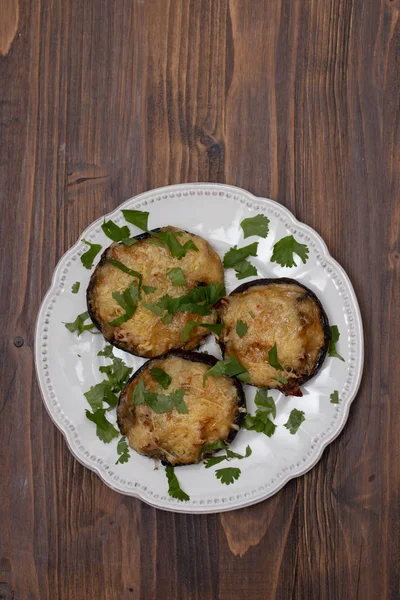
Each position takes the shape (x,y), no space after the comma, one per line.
(286,314)
(214,411)
(145,334)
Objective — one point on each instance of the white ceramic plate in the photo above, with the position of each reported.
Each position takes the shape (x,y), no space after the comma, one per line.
(68,365)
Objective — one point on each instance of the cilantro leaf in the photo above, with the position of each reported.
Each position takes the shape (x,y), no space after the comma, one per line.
(107,351)
(334,397)
(187,330)
(161,377)
(231,454)
(296,418)
(119,265)
(253,316)
(218,445)
(199,300)
(148,289)
(177,276)
(258,225)
(128,300)
(261,421)
(78,325)
(114,232)
(170,239)
(244,269)
(75,287)
(118,373)
(153,307)
(99,393)
(138,393)
(214,460)
(230,367)
(241,328)
(228,475)
(104,430)
(159,402)
(335,335)
(282,380)
(273,358)
(284,249)
(137,217)
(174,489)
(123,451)
(88,257)
(179,402)
(236,255)
(129,241)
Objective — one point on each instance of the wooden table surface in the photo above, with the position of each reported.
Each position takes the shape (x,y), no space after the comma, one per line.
(294,100)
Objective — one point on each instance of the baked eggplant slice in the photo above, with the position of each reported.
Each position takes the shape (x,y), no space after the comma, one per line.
(150,331)
(208,414)
(273,323)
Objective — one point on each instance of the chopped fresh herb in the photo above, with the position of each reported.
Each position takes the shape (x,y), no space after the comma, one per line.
(119,265)
(114,232)
(148,289)
(107,351)
(214,460)
(129,241)
(99,393)
(199,300)
(296,418)
(88,257)
(139,218)
(158,402)
(123,451)
(228,475)
(253,316)
(244,269)
(236,255)
(231,454)
(334,397)
(284,249)
(75,287)
(273,358)
(104,429)
(161,377)
(170,239)
(335,335)
(258,225)
(153,307)
(167,319)
(218,445)
(118,373)
(177,276)
(241,328)
(261,421)
(78,325)
(174,489)
(282,380)
(187,330)
(128,300)
(230,367)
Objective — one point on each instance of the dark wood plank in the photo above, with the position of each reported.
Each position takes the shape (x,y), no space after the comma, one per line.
(298,101)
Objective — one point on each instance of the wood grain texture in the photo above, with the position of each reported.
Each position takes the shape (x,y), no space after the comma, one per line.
(298,101)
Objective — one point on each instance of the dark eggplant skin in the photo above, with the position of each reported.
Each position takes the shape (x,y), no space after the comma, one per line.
(206,359)
(292,388)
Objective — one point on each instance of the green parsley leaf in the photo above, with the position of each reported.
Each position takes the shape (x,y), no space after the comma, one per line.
(139,218)
(104,430)
(170,239)
(115,233)
(159,402)
(118,373)
(78,325)
(75,287)
(161,377)
(218,445)
(284,249)
(261,421)
(258,225)
(138,393)
(236,255)
(214,460)
(230,367)
(244,269)
(282,380)
(273,358)
(123,451)
(253,316)
(119,265)
(231,454)
(228,475)
(199,300)
(335,335)
(296,418)
(88,257)
(241,328)
(334,397)
(174,489)
(129,241)
(153,307)
(99,393)
(107,351)
(187,330)
(148,289)
(177,276)
(128,300)
(179,402)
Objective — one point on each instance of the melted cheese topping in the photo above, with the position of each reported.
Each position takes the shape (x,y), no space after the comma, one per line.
(284,314)
(177,437)
(145,333)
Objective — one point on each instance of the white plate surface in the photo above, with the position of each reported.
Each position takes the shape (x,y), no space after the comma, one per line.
(214,212)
